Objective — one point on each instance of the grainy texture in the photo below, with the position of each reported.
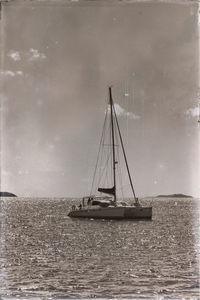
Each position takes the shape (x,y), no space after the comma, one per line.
(46,254)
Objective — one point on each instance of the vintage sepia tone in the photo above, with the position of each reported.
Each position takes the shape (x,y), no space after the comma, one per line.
(99,149)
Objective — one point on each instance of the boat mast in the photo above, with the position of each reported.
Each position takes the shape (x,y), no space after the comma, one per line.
(113,143)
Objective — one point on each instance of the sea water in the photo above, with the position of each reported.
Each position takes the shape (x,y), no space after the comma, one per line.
(44,254)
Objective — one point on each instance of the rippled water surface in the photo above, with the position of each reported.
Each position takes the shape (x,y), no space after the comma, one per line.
(47,255)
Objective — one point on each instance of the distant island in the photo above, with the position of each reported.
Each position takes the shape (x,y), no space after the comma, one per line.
(7,194)
(174,196)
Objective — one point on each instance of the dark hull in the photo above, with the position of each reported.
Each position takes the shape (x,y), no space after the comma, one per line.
(120,213)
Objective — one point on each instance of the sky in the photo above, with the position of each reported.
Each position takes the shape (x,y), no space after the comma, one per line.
(58,60)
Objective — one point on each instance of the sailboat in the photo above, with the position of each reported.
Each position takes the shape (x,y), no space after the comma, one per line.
(108,205)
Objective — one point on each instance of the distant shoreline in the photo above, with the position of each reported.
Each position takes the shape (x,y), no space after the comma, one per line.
(174,196)
(11,195)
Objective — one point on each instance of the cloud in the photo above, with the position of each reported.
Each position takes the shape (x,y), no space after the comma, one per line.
(14,55)
(36,55)
(123,113)
(31,55)
(19,73)
(9,73)
(192,112)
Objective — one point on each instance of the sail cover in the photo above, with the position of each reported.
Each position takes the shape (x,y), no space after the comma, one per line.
(110,191)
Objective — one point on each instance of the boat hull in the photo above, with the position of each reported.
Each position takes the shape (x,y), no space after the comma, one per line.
(119,212)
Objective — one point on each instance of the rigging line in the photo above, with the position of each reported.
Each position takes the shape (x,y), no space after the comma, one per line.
(106,156)
(103,151)
(199,113)
(98,153)
(127,117)
(103,156)
(106,181)
(123,186)
(119,169)
(101,162)
(108,145)
(124,155)
(120,173)
(105,168)
(111,153)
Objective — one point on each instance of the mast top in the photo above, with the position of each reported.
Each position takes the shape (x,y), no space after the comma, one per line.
(110,95)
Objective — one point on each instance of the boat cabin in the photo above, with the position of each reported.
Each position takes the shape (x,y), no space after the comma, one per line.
(100,201)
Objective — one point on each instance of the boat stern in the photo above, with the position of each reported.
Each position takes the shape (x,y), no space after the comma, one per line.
(138,212)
